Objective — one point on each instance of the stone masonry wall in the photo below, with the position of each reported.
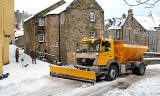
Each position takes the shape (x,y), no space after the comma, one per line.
(77,25)
(133,32)
(52,36)
(29,35)
(113,34)
(31,30)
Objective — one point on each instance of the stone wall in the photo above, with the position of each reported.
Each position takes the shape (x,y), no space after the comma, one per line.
(20,42)
(133,32)
(52,30)
(158,36)
(77,25)
(71,26)
(113,34)
(29,35)
(32,30)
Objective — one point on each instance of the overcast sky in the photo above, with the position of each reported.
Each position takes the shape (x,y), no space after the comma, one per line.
(112,8)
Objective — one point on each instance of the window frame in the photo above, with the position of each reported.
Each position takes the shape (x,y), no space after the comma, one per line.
(92,35)
(56,44)
(92,18)
(39,37)
(41,22)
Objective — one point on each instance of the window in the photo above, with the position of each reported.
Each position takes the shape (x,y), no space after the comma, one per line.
(40,22)
(117,34)
(41,38)
(106,46)
(92,34)
(92,16)
(136,37)
(56,44)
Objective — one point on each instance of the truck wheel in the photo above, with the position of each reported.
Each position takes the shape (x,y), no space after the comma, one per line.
(112,73)
(139,70)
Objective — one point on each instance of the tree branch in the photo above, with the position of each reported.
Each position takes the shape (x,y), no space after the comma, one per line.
(141,2)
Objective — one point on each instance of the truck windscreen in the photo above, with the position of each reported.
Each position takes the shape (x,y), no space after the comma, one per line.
(85,47)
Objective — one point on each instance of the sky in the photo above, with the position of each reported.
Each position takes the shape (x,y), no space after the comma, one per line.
(112,8)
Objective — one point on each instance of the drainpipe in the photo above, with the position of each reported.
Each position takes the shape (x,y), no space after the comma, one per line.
(59,38)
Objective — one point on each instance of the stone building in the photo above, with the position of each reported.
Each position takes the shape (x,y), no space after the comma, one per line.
(141,30)
(61,28)
(113,27)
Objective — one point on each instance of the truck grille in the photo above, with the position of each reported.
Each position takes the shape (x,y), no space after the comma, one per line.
(85,61)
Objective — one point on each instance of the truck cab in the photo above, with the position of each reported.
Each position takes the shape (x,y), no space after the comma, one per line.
(94,52)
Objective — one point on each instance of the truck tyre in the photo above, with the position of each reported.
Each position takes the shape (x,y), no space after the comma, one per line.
(112,73)
(139,70)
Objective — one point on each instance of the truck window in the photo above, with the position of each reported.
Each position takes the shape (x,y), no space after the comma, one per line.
(106,46)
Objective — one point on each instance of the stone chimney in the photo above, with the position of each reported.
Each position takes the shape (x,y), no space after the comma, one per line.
(130,12)
(124,16)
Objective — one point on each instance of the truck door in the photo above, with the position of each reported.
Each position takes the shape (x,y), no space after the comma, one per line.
(106,52)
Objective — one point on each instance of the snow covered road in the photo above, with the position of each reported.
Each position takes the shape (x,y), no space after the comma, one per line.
(127,85)
(35,81)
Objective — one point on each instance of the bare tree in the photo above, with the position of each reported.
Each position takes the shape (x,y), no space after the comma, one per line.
(149,3)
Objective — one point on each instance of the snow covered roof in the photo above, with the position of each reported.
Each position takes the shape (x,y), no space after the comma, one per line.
(19,33)
(64,7)
(146,22)
(61,8)
(45,6)
(156,19)
(115,23)
(149,22)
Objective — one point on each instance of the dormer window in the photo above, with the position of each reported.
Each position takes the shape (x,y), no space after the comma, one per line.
(40,22)
(92,16)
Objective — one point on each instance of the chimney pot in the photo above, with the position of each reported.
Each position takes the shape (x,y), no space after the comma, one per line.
(130,12)
(124,16)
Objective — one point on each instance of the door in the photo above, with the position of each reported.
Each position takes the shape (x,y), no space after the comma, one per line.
(106,52)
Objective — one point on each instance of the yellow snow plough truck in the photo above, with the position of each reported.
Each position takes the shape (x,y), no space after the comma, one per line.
(101,58)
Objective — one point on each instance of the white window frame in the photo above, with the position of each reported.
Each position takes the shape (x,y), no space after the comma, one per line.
(92,34)
(40,22)
(92,16)
(56,44)
(41,38)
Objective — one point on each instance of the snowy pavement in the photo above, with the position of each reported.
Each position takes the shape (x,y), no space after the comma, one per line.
(34,80)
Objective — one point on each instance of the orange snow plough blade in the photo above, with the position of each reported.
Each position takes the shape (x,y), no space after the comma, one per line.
(72,73)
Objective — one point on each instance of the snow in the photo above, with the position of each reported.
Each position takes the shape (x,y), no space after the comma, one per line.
(34,80)
(61,8)
(149,22)
(29,18)
(117,23)
(44,6)
(19,74)
(146,87)
(155,66)
(151,58)
(64,7)
(152,52)
(19,33)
